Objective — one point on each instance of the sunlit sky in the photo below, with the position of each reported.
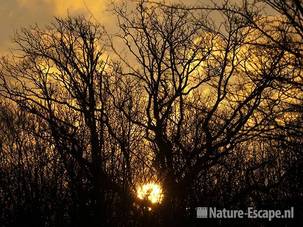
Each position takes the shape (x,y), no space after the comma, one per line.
(15,14)
(21,13)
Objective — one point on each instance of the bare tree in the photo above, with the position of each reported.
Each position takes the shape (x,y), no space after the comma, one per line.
(204,86)
(204,107)
(60,78)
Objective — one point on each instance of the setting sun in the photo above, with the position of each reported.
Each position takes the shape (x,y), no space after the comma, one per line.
(150,191)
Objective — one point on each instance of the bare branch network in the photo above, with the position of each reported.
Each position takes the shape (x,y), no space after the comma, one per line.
(202,104)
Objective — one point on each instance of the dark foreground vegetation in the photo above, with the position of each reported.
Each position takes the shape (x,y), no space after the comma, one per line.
(207,101)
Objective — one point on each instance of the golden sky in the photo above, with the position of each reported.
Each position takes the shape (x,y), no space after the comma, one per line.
(15,14)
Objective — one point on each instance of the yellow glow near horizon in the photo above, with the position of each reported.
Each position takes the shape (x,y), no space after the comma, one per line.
(151,192)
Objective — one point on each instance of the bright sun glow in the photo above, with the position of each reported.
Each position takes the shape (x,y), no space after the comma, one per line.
(150,191)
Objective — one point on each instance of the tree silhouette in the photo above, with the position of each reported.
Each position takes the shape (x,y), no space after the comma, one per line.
(209,110)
